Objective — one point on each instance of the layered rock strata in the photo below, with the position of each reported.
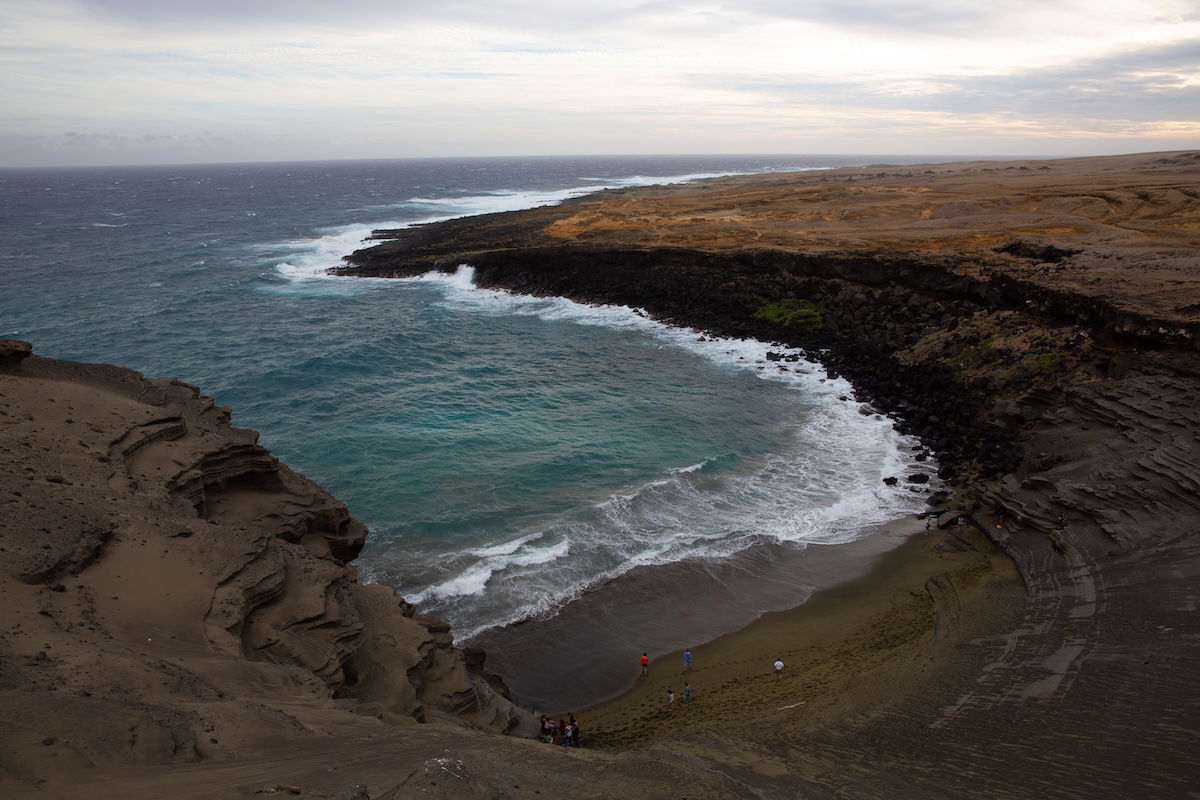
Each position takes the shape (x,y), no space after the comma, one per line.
(168,585)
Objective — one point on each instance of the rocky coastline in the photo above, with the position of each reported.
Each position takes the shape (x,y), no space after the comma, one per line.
(896,321)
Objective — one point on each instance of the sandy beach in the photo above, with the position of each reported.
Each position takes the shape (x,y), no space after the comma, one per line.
(589,651)
(853,649)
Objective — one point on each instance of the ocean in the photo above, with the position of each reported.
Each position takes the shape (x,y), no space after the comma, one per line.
(517,459)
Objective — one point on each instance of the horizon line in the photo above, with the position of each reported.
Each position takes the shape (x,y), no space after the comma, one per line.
(939,156)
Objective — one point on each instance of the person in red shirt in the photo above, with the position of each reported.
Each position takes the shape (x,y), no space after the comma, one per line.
(645,663)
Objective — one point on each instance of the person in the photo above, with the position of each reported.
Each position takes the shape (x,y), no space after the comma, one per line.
(687,660)
(645,663)
(778,669)
(568,735)
(687,691)
(670,699)
(575,734)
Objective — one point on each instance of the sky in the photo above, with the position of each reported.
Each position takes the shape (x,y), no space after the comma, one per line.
(101,82)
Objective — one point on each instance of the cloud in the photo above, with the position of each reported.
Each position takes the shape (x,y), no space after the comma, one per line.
(361,15)
(1144,84)
(891,15)
(376,78)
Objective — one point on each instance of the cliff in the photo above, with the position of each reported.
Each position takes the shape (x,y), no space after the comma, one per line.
(168,584)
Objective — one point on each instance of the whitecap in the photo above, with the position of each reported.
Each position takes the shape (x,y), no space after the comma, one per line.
(692,467)
(474,579)
(314,257)
(504,548)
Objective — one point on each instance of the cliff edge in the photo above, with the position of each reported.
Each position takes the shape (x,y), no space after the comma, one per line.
(169,588)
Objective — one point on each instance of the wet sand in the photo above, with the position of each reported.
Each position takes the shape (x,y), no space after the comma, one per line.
(852,649)
(589,652)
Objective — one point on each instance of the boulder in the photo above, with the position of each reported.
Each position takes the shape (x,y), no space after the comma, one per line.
(13,351)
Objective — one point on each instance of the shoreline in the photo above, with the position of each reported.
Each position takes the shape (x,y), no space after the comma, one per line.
(588,651)
(877,639)
(581,655)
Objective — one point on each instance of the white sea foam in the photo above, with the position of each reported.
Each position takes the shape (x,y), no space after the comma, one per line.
(504,548)
(312,258)
(825,486)
(474,579)
(691,468)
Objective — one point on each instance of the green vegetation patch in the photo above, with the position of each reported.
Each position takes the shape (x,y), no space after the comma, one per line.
(967,358)
(793,313)
(1052,362)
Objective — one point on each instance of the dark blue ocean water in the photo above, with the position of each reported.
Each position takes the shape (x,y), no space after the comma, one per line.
(508,453)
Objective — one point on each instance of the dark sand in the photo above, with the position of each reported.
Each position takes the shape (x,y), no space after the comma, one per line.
(864,643)
(589,652)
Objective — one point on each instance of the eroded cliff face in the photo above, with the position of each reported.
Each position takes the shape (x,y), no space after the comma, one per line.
(168,585)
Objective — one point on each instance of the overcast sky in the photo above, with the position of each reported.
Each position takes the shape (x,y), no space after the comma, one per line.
(172,81)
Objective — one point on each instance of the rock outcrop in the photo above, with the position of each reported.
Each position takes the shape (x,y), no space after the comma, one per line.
(168,583)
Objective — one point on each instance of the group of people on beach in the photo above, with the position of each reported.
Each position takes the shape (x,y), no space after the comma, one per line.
(564,732)
(778,667)
(687,687)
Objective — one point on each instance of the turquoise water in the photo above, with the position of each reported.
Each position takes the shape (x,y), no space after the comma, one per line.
(508,453)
